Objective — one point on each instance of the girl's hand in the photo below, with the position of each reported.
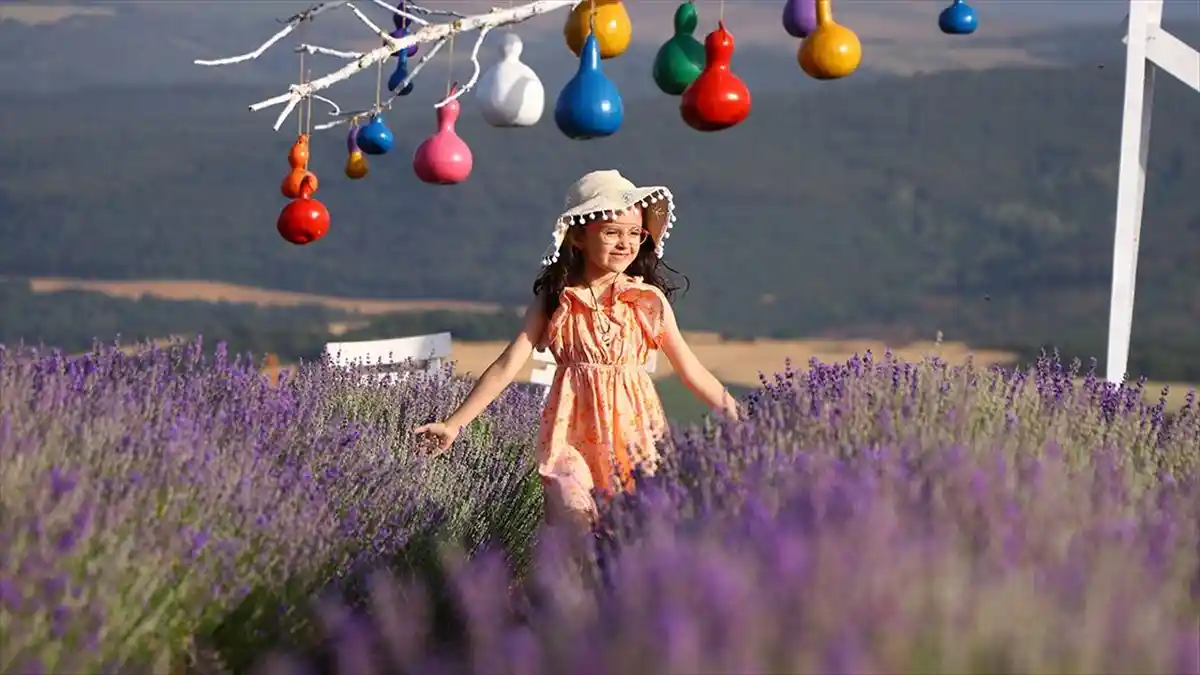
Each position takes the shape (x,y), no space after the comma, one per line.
(729,411)
(439,433)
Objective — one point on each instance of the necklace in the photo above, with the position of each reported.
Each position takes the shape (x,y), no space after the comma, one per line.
(604,324)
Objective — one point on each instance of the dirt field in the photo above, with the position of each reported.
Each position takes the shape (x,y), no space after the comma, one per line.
(210,291)
(739,362)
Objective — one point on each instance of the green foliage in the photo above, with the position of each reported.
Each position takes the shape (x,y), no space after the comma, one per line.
(74,320)
(681,405)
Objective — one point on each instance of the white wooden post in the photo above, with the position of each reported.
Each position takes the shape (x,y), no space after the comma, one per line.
(431,349)
(544,375)
(1147,46)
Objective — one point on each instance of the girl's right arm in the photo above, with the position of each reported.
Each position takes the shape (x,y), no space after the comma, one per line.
(503,370)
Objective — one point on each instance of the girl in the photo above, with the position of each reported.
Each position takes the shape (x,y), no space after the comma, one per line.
(601,304)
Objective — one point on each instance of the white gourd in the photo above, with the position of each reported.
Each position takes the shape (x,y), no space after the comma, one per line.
(510,93)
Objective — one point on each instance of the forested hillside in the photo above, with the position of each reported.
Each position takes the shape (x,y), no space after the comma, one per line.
(979,204)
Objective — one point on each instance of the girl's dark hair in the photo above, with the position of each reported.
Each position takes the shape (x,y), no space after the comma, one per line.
(568,271)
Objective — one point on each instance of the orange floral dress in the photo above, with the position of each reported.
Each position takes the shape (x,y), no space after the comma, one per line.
(602,415)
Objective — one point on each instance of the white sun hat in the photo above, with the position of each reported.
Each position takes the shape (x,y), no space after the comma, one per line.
(605,194)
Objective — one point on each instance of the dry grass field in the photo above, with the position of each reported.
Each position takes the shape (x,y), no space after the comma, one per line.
(738,363)
(734,362)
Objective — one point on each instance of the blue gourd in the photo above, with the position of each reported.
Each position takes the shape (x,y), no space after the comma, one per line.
(958,19)
(589,106)
(375,138)
(399,74)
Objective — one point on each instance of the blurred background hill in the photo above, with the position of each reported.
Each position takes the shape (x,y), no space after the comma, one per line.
(965,186)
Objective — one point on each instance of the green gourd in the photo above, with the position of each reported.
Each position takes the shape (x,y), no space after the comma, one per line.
(681,59)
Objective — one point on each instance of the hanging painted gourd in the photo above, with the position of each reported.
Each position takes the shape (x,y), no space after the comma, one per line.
(958,19)
(401,23)
(295,180)
(401,72)
(717,99)
(304,220)
(606,19)
(589,106)
(681,59)
(510,93)
(800,17)
(298,161)
(356,161)
(444,158)
(399,75)
(299,154)
(375,138)
(832,51)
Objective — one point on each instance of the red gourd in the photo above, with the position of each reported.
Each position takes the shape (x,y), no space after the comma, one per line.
(717,99)
(304,220)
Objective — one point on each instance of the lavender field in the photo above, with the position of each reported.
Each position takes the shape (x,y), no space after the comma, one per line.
(171,512)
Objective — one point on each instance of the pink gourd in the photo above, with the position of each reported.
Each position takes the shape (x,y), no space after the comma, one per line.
(444,158)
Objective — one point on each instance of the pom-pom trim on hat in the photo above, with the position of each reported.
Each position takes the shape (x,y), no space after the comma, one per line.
(567,220)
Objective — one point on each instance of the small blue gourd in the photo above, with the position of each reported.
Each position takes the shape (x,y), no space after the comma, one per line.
(375,138)
(399,74)
(958,19)
(589,106)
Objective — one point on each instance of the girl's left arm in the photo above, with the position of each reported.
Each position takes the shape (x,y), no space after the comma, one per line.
(694,375)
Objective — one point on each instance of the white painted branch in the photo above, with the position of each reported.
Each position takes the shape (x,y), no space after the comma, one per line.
(454,96)
(324,126)
(366,21)
(429,33)
(314,49)
(434,12)
(398,12)
(346,117)
(292,23)
(286,111)
(336,109)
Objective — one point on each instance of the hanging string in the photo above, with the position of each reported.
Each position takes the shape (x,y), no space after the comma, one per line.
(300,109)
(721,11)
(379,82)
(308,115)
(450,68)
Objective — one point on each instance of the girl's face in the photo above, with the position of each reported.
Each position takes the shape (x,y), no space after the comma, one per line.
(610,246)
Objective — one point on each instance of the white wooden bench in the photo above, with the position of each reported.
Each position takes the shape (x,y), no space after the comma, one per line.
(387,358)
(544,375)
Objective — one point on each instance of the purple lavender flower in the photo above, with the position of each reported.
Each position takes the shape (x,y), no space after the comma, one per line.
(870,516)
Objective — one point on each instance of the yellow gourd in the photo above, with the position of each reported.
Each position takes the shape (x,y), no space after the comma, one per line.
(831,51)
(356,166)
(613,27)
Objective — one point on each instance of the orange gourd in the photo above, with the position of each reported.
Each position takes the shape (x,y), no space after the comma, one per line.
(294,181)
(298,155)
